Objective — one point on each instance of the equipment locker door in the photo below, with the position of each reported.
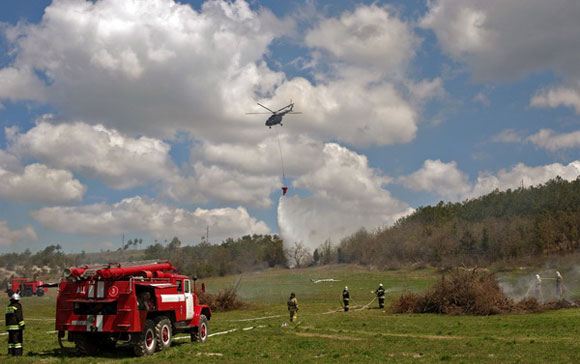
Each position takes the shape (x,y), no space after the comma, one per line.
(188,299)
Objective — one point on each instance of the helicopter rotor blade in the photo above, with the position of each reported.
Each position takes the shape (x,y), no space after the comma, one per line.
(294,112)
(286,107)
(273,112)
(258,113)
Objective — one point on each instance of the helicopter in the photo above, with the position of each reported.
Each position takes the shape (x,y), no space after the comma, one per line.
(276,117)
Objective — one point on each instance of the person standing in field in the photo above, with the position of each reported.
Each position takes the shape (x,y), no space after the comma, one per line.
(14,325)
(380,292)
(538,288)
(559,288)
(293,307)
(345,298)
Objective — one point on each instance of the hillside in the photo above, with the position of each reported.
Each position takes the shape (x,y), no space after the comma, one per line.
(501,226)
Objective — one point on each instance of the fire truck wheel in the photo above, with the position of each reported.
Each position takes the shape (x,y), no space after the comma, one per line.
(40,292)
(145,343)
(202,331)
(163,333)
(86,346)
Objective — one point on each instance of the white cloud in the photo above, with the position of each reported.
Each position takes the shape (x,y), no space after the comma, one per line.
(346,194)
(221,184)
(448,181)
(156,67)
(370,37)
(503,39)
(360,114)
(526,175)
(556,97)
(118,160)
(300,154)
(443,179)
(8,236)
(508,136)
(552,141)
(40,184)
(138,214)
(149,67)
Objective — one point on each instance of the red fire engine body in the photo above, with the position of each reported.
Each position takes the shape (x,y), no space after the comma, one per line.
(143,303)
(25,287)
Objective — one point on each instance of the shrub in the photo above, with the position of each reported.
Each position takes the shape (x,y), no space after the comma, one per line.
(224,300)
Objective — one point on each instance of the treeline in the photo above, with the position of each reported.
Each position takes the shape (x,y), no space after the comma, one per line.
(501,226)
(232,256)
(248,253)
(50,258)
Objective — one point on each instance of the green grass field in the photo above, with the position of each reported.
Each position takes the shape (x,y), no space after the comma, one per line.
(324,334)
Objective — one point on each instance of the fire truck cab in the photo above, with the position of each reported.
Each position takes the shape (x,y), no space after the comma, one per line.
(144,303)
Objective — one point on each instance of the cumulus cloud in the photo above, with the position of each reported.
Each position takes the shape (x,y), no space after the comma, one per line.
(448,181)
(346,194)
(556,97)
(150,67)
(118,160)
(157,67)
(38,183)
(552,141)
(523,174)
(502,39)
(221,184)
(141,215)
(8,236)
(443,179)
(370,37)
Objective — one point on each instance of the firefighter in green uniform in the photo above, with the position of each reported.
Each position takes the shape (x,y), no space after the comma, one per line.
(345,298)
(293,307)
(15,325)
(380,292)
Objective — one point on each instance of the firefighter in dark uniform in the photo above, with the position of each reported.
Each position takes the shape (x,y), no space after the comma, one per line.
(345,298)
(380,292)
(293,307)
(15,325)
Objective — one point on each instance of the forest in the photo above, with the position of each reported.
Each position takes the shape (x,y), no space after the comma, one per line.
(511,225)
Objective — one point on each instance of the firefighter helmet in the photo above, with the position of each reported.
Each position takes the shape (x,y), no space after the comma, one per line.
(15,297)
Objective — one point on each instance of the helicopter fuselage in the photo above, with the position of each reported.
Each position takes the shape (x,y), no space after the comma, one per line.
(274,119)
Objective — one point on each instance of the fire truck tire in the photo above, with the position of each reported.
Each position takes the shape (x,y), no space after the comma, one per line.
(40,292)
(163,333)
(201,332)
(86,346)
(146,342)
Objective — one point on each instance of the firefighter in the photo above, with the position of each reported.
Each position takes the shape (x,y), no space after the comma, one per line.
(559,288)
(15,325)
(538,288)
(380,292)
(345,298)
(293,307)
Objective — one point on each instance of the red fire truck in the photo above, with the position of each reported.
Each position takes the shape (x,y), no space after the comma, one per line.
(144,303)
(25,287)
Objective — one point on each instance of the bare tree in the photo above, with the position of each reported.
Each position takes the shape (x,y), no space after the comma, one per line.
(300,254)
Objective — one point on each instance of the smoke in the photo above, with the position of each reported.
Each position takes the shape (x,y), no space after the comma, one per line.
(521,286)
(311,222)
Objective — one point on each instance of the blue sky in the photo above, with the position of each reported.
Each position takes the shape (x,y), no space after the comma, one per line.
(128,117)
